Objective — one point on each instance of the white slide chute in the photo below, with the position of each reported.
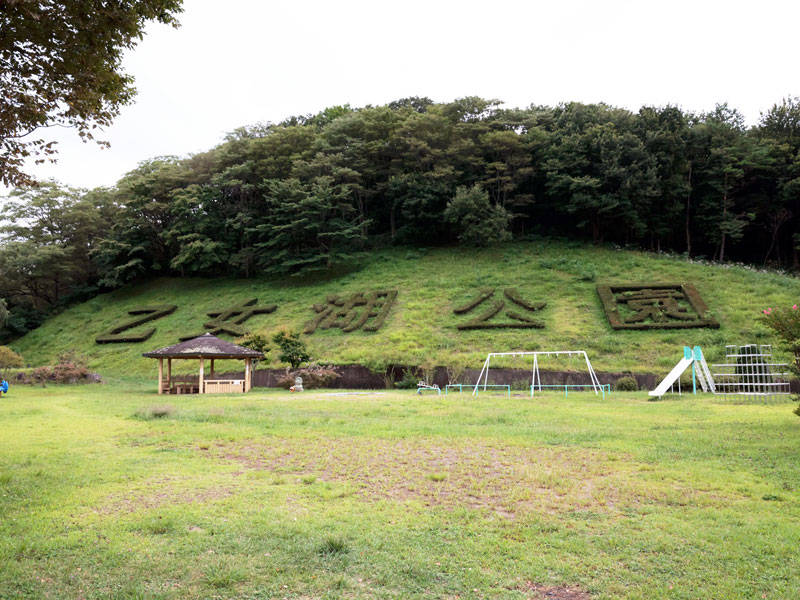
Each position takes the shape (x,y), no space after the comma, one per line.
(691,358)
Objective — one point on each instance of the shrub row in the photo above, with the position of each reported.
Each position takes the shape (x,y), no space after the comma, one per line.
(704,318)
(147,314)
(482,320)
(513,295)
(485,294)
(68,368)
(341,311)
(228,320)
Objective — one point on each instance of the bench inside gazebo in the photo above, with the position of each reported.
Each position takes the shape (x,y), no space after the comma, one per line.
(206,347)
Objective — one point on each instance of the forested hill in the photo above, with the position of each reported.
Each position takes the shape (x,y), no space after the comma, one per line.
(421,325)
(318,191)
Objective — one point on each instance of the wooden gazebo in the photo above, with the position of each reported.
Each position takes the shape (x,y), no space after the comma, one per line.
(204,347)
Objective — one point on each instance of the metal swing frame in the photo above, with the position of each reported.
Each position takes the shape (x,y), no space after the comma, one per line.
(536,379)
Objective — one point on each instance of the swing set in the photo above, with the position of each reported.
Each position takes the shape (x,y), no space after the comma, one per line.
(536,379)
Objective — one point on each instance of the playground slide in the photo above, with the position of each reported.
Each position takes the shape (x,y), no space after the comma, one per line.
(673,376)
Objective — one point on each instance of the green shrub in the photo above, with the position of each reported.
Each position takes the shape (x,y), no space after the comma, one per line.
(293,349)
(521,385)
(785,321)
(380,366)
(626,384)
(479,222)
(257,342)
(456,368)
(409,381)
(10,359)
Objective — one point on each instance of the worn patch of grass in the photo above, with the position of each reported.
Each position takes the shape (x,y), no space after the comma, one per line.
(411,497)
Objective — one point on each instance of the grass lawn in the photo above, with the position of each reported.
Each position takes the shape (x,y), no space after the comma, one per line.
(392,495)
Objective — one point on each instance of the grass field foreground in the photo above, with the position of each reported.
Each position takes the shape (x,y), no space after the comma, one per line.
(111,491)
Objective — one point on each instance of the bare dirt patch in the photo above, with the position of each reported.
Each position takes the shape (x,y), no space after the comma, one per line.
(160,493)
(504,479)
(479,474)
(547,592)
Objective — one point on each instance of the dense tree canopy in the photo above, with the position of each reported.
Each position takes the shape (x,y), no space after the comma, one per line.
(316,190)
(60,65)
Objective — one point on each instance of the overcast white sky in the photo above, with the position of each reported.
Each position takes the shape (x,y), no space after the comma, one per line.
(238,62)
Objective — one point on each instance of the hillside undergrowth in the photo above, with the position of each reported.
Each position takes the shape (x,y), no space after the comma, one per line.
(421,327)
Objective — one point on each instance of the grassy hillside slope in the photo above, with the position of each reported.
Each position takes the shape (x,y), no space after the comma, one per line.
(422,327)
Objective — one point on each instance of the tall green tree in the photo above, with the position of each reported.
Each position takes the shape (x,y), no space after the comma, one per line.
(781,123)
(664,133)
(730,163)
(49,234)
(137,243)
(599,171)
(60,65)
(308,227)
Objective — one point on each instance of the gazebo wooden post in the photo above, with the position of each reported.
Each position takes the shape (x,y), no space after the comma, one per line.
(202,364)
(247,374)
(160,375)
(211,376)
(169,374)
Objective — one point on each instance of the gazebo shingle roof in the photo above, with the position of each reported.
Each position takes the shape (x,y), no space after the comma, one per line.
(205,346)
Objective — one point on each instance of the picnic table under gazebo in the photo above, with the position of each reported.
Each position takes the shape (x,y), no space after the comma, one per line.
(201,348)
